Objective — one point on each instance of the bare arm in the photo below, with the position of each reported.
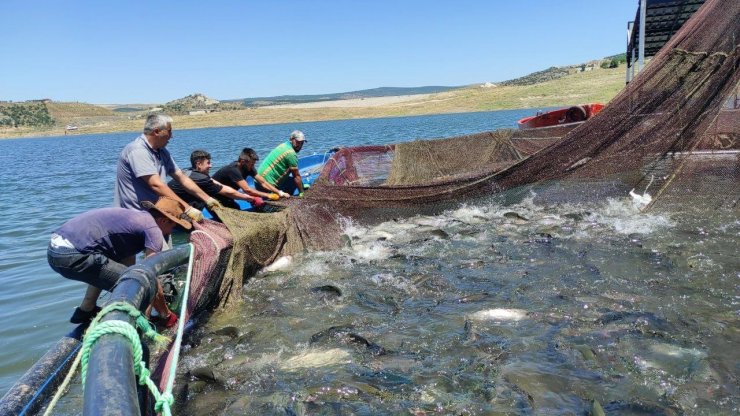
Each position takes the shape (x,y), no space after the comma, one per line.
(161,188)
(251,191)
(159,303)
(234,194)
(189,185)
(297,178)
(267,185)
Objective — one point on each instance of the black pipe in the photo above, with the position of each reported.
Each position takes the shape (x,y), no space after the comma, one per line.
(110,387)
(29,394)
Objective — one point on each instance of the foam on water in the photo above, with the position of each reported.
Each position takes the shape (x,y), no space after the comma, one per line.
(624,217)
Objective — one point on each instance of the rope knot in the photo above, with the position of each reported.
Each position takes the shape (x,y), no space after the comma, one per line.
(166,399)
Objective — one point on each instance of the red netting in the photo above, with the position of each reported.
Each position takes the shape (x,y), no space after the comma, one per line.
(212,244)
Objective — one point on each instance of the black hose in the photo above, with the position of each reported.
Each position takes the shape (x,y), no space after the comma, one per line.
(111,386)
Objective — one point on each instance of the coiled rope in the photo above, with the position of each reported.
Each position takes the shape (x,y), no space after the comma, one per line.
(97,329)
(163,400)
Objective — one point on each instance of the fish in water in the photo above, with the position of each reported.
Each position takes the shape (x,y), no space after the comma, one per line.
(500,315)
(641,200)
(470,334)
(229,331)
(476,297)
(343,333)
(437,232)
(327,292)
(280,264)
(316,359)
(207,374)
(516,218)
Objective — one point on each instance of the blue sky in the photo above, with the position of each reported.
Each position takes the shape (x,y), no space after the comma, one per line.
(120,52)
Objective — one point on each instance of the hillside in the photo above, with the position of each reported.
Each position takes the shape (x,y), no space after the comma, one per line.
(199,103)
(371,93)
(553,87)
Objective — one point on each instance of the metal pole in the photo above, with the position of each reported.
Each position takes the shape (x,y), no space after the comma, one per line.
(630,25)
(110,387)
(643,17)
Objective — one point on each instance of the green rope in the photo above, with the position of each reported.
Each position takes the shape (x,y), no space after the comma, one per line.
(98,329)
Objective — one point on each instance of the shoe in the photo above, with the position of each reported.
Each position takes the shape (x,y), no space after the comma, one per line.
(81,317)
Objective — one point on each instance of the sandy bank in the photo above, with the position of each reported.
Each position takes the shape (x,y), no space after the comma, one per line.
(357,102)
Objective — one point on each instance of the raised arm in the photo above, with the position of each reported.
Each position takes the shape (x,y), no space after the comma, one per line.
(297,178)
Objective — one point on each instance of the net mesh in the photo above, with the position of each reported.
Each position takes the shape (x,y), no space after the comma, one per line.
(649,136)
(665,112)
(212,244)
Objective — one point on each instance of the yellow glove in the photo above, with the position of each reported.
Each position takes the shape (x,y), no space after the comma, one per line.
(213,203)
(194,214)
(273,197)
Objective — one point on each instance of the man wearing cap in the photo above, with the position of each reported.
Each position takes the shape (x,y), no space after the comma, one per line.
(91,247)
(200,162)
(235,175)
(144,165)
(282,162)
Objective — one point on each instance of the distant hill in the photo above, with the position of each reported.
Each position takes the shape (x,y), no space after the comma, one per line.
(594,81)
(374,92)
(197,102)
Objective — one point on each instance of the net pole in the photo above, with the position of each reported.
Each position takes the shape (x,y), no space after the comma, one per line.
(643,16)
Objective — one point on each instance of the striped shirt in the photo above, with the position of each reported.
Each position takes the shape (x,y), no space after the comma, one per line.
(277,164)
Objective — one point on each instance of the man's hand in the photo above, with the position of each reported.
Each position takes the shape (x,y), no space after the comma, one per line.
(273,197)
(257,202)
(214,203)
(283,194)
(194,214)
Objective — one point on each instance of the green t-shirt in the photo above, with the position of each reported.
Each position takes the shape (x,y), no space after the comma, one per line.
(276,166)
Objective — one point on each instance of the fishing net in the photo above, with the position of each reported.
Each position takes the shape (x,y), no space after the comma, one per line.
(212,244)
(261,238)
(664,117)
(647,139)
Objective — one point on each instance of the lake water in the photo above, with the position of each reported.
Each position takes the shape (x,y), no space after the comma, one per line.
(516,304)
(46,181)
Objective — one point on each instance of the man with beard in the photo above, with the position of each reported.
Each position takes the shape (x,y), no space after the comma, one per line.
(234,175)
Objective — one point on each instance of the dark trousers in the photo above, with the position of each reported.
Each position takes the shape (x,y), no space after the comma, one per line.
(94,269)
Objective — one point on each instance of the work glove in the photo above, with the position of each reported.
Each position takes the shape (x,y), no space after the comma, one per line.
(273,197)
(258,202)
(194,214)
(301,194)
(283,194)
(306,186)
(213,203)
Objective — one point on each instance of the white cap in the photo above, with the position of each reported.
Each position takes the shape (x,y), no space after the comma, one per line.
(298,136)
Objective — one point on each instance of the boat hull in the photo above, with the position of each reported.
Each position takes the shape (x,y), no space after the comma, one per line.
(566,115)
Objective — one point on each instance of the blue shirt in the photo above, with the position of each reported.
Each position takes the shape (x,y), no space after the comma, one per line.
(136,160)
(116,232)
